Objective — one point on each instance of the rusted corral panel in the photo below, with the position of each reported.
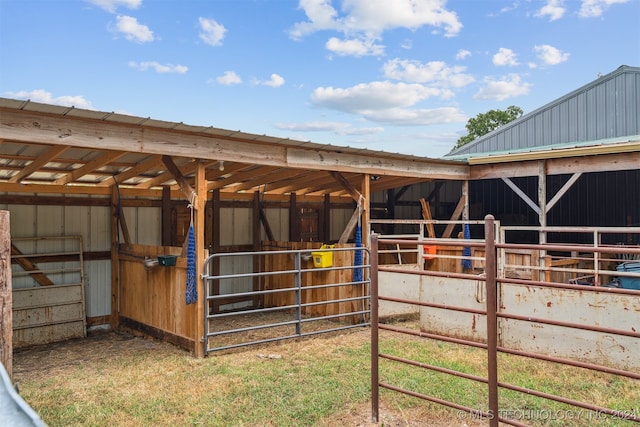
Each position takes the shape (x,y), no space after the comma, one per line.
(604,310)
(48,314)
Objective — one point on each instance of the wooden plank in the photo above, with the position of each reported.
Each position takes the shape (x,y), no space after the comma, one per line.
(426,214)
(6,297)
(28,266)
(43,159)
(455,216)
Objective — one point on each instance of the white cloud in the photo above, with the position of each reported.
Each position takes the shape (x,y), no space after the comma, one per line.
(595,8)
(554,9)
(550,55)
(42,96)
(416,117)
(462,54)
(112,5)
(354,47)
(339,128)
(132,30)
(159,68)
(505,57)
(372,96)
(369,19)
(212,33)
(504,88)
(275,81)
(435,72)
(229,78)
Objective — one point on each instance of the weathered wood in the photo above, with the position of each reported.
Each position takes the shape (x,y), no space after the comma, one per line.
(29,267)
(115,261)
(199,205)
(6,296)
(426,215)
(355,194)
(454,217)
(351,225)
(45,158)
(177,175)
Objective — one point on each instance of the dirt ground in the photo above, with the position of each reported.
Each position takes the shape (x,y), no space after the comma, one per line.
(54,359)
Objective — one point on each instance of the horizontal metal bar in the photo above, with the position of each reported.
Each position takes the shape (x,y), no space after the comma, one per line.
(422,334)
(433,305)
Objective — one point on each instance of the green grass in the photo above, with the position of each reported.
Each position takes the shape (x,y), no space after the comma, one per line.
(307,383)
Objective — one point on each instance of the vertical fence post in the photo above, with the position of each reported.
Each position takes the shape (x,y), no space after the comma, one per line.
(375,391)
(298,268)
(492,318)
(6,296)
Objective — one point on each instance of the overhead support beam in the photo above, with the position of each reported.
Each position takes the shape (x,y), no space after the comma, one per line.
(149,164)
(32,127)
(177,175)
(562,191)
(533,205)
(94,164)
(355,194)
(45,158)
(559,166)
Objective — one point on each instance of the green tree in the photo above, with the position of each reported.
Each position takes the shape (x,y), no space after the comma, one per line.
(484,123)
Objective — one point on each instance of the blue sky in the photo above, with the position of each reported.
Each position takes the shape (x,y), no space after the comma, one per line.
(392,75)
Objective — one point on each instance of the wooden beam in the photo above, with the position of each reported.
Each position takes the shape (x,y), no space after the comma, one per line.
(115,260)
(455,216)
(150,163)
(56,129)
(562,166)
(30,267)
(177,175)
(199,205)
(294,219)
(355,194)
(50,154)
(522,194)
(351,225)
(6,295)
(426,214)
(98,162)
(563,190)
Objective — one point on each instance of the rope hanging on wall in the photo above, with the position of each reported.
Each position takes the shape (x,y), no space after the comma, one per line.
(466,250)
(191,294)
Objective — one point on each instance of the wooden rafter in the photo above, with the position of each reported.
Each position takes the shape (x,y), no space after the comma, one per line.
(144,166)
(90,167)
(43,159)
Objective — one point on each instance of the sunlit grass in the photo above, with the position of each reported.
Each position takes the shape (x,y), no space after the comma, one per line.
(304,383)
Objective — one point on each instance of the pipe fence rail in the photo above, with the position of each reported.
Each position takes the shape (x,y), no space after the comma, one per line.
(496,281)
(297,306)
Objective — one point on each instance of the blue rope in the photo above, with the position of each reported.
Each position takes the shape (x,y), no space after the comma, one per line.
(466,250)
(191,294)
(358,275)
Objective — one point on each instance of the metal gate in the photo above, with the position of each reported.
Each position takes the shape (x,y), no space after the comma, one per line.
(515,315)
(260,297)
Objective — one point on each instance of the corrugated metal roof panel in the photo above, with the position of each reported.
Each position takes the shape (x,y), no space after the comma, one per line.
(608,107)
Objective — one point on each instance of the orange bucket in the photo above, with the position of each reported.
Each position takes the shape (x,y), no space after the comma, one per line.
(429,252)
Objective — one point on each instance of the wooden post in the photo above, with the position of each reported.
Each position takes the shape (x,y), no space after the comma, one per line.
(199,205)
(366,209)
(115,259)
(542,203)
(6,306)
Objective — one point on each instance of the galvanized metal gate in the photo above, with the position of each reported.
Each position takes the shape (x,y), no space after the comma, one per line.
(260,297)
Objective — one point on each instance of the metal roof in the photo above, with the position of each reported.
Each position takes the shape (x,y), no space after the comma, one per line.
(600,112)
(50,148)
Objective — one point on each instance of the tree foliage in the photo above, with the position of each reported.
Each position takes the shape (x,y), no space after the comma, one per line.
(484,123)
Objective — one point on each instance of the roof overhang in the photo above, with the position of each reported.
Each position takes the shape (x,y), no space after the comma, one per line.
(52,148)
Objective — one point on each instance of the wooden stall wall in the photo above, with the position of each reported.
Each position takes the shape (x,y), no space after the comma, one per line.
(283,262)
(152,300)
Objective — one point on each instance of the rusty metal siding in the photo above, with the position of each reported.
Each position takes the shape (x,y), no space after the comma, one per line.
(608,107)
